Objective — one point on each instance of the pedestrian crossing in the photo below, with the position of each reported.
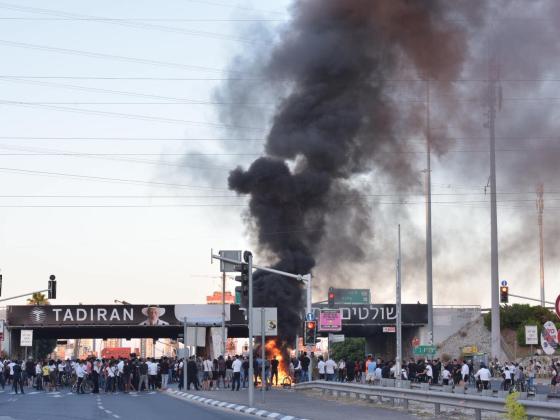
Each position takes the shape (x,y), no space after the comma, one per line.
(65,393)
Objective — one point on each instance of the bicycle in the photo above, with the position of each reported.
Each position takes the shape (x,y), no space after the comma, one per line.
(86,386)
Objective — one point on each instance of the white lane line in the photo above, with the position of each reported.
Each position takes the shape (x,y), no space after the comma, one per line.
(108,411)
(116,416)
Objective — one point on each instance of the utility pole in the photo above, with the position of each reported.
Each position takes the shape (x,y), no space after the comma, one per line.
(248,257)
(429,285)
(540,210)
(398,358)
(224,314)
(494,278)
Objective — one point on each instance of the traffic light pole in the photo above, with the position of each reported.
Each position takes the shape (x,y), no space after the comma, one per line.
(250,321)
(528,298)
(23,295)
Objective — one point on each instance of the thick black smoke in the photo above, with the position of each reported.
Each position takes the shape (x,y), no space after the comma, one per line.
(338,57)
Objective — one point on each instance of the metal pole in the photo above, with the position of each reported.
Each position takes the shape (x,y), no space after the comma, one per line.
(528,298)
(494,278)
(540,209)
(297,346)
(250,320)
(263,354)
(224,314)
(185,378)
(307,279)
(398,359)
(429,291)
(23,295)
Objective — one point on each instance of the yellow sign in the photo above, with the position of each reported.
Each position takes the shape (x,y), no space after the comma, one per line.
(470,349)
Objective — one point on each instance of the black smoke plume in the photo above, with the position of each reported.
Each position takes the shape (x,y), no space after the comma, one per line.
(336,59)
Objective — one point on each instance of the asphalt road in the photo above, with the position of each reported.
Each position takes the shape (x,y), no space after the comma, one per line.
(65,405)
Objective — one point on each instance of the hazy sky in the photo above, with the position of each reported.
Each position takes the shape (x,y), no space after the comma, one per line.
(115,181)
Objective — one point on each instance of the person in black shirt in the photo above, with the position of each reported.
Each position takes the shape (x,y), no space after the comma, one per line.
(17,378)
(274,370)
(192,374)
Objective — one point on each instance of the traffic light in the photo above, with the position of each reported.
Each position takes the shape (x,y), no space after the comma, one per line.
(52,287)
(310,333)
(244,288)
(504,290)
(331,297)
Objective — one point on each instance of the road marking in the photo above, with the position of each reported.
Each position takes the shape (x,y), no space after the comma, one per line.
(101,407)
(116,416)
(108,411)
(31,393)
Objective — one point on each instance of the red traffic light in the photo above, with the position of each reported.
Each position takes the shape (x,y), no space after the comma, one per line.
(331,295)
(504,289)
(310,325)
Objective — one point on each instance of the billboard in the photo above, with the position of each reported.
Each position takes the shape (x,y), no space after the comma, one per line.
(330,320)
(549,338)
(113,315)
(367,315)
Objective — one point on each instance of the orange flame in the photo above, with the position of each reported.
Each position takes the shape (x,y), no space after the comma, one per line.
(273,350)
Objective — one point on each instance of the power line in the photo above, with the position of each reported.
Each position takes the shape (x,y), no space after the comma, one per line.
(178,139)
(128,116)
(130,24)
(104,56)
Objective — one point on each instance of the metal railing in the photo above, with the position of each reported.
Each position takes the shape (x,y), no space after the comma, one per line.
(400,393)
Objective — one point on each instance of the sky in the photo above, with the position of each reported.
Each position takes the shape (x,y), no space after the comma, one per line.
(114,163)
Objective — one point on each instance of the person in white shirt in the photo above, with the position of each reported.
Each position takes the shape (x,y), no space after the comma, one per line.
(321,368)
(330,366)
(378,374)
(507,378)
(152,374)
(465,372)
(236,367)
(80,373)
(483,375)
(341,367)
(445,377)
(429,373)
(207,374)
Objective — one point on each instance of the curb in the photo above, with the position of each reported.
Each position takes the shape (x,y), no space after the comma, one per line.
(235,407)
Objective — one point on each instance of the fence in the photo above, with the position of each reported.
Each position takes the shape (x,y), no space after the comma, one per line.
(400,393)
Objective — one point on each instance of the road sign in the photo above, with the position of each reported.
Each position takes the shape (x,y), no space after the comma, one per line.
(336,338)
(391,329)
(330,320)
(531,334)
(558,306)
(504,283)
(469,349)
(196,336)
(310,316)
(549,338)
(415,342)
(425,350)
(226,267)
(26,338)
(270,321)
(351,296)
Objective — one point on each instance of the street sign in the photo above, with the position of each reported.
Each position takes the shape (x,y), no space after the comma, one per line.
(351,296)
(336,338)
(270,321)
(549,338)
(425,350)
(558,306)
(310,316)
(504,283)
(26,338)
(531,334)
(391,329)
(469,349)
(330,320)
(226,267)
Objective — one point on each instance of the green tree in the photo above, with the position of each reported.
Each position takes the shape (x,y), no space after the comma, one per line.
(38,298)
(349,349)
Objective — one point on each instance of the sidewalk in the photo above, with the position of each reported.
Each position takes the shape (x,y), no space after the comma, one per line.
(304,405)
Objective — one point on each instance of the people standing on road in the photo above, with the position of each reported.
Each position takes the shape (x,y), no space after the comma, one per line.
(297,369)
(445,376)
(229,371)
(507,378)
(143,372)
(274,370)
(371,365)
(341,370)
(321,368)
(17,379)
(244,372)
(46,377)
(111,370)
(305,362)
(465,371)
(330,367)
(221,372)
(152,374)
(95,373)
(483,375)
(164,368)
(192,374)
(207,378)
(80,373)
(236,368)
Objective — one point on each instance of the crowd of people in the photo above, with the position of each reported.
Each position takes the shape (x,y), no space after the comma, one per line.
(108,375)
(232,372)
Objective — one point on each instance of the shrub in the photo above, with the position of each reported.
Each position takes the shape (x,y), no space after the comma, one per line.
(514,409)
